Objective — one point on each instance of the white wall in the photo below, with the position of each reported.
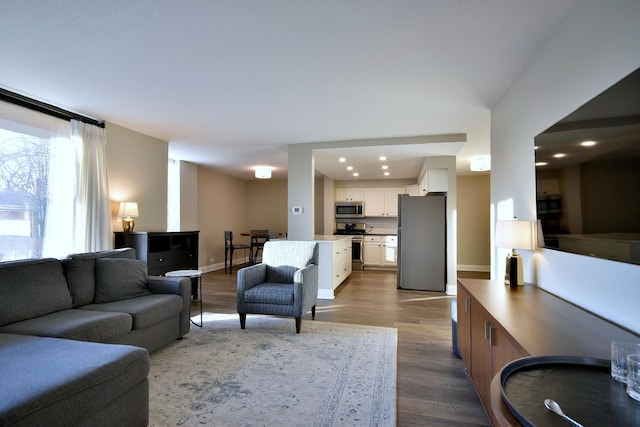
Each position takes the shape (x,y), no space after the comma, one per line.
(595,46)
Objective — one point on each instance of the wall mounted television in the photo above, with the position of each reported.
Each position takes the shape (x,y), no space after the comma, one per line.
(588,177)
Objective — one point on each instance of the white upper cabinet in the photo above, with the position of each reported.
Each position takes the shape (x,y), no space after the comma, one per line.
(382,201)
(413,189)
(349,194)
(434,180)
(374,202)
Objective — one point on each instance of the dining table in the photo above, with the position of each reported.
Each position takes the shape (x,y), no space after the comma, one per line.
(257,241)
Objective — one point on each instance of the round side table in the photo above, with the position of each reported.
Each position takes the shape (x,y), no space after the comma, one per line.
(191,274)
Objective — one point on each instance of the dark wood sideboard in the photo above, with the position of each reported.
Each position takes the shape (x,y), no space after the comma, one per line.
(498,324)
(162,251)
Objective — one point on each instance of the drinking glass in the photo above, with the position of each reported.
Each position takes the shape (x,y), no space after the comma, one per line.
(619,352)
(633,376)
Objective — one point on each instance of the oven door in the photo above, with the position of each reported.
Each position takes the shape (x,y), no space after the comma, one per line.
(356,250)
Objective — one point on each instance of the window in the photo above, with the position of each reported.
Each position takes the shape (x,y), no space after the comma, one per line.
(34,163)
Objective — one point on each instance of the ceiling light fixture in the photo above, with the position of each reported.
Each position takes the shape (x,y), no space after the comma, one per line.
(342,160)
(263,172)
(386,174)
(559,155)
(541,164)
(382,158)
(480,163)
(356,174)
(349,168)
(385,167)
(588,143)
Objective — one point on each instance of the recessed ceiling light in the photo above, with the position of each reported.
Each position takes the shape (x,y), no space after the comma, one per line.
(385,167)
(541,164)
(386,174)
(588,143)
(342,160)
(559,155)
(349,168)
(356,174)
(382,158)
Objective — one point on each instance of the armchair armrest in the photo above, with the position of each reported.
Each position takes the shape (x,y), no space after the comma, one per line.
(251,276)
(305,286)
(174,285)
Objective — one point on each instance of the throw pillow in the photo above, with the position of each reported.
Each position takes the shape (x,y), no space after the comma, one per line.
(119,278)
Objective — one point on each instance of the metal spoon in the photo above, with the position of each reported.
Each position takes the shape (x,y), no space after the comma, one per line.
(553,406)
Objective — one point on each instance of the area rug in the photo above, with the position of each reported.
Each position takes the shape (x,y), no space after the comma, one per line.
(267,375)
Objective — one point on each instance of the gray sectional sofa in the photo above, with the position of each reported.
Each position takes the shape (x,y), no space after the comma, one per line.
(63,324)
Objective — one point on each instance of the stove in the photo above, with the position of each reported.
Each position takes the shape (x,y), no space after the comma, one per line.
(356,230)
(350,228)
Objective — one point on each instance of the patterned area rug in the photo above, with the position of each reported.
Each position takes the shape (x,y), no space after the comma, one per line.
(328,375)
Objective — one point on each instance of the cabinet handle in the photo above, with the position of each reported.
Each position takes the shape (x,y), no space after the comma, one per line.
(467,304)
(487,329)
(491,336)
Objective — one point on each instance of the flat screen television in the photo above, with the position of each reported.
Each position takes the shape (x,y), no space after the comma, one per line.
(588,177)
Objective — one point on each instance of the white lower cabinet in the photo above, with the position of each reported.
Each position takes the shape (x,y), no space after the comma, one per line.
(334,265)
(380,251)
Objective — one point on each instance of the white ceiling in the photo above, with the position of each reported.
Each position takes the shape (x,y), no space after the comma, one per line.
(231,83)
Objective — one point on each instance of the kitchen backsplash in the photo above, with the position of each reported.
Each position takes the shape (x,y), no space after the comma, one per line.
(382,225)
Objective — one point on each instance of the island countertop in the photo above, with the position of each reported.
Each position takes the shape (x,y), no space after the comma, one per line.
(330,237)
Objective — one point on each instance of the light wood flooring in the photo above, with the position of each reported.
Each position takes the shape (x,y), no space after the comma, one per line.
(432,387)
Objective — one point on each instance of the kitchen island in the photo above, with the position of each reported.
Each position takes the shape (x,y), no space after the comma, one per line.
(334,263)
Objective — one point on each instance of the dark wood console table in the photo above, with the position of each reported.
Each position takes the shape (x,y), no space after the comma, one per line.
(498,324)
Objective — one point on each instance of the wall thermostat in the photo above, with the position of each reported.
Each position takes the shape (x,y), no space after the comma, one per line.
(297,210)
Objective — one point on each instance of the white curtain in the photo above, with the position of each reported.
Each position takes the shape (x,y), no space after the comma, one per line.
(62,198)
(93,224)
(78,210)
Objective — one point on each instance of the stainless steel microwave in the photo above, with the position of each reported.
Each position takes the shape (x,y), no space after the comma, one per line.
(349,209)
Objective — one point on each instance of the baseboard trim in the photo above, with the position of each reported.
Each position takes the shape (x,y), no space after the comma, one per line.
(220,265)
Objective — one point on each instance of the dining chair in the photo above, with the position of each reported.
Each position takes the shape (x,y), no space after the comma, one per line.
(258,238)
(229,247)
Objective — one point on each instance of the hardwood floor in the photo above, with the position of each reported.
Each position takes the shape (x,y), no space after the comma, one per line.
(432,387)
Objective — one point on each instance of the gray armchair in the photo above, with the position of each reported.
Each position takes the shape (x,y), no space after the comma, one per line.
(284,284)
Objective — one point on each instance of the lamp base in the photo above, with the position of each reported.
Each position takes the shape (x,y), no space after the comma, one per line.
(513,275)
(127,225)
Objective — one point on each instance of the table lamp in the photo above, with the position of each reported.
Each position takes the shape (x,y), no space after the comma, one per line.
(128,211)
(514,234)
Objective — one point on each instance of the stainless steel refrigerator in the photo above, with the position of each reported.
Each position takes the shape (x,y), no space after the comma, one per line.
(422,248)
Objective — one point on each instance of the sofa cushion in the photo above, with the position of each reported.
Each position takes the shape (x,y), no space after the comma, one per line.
(118,279)
(146,310)
(81,325)
(32,288)
(81,275)
(47,381)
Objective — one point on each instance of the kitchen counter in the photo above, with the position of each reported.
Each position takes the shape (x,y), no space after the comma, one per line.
(330,237)
(334,263)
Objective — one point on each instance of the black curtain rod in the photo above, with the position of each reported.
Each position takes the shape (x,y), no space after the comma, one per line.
(43,107)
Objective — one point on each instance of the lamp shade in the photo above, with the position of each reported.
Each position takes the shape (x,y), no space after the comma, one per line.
(263,172)
(128,209)
(514,234)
